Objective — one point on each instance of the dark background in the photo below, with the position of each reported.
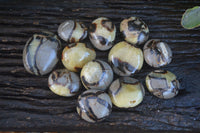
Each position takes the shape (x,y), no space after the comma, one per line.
(26,103)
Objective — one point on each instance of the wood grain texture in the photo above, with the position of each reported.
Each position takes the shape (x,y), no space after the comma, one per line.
(26,103)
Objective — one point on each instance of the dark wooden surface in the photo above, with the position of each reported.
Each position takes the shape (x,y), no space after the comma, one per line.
(26,103)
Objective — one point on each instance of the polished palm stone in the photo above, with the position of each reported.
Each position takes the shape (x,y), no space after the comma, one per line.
(125,59)
(96,74)
(41,53)
(94,105)
(64,83)
(135,31)
(102,33)
(72,31)
(163,84)
(76,55)
(126,92)
(157,53)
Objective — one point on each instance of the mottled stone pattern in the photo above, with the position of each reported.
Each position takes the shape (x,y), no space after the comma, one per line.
(94,105)
(157,53)
(125,59)
(126,92)
(96,74)
(41,53)
(64,83)
(102,33)
(72,31)
(135,31)
(76,55)
(163,84)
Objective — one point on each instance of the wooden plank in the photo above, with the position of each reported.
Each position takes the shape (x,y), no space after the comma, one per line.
(26,103)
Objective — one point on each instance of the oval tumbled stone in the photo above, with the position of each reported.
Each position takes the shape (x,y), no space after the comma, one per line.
(41,53)
(126,92)
(102,33)
(64,83)
(157,53)
(125,58)
(96,74)
(135,31)
(76,55)
(72,31)
(162,84)
(94,105)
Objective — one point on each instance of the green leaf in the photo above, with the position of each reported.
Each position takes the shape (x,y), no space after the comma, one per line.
(191,18)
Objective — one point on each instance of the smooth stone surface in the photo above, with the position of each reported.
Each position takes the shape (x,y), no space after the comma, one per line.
(41,53)
(125,59)
(126,92)
(191,18)
(102,33)
(157,53)
(64,83)
(94,105)
(96,74)
(135,31)
(72,31)
(163,84)
(76,55)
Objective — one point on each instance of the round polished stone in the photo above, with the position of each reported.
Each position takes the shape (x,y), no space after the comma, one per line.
(163,84)
(41,53)
(126,92)
(135,31)
(76,55)
(72,31)
(157,53)
(125,59)
(96,74)
(64,83)
(94,105)
(102,33)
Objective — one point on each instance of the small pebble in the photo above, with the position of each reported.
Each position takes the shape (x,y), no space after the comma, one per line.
(135,31)
(126,92)
(76,55)
(41,53)
(157,53)
(72,31)
(102,33)
(162,84)
(94,105)
(125,59)
(96,74)
(64,83)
